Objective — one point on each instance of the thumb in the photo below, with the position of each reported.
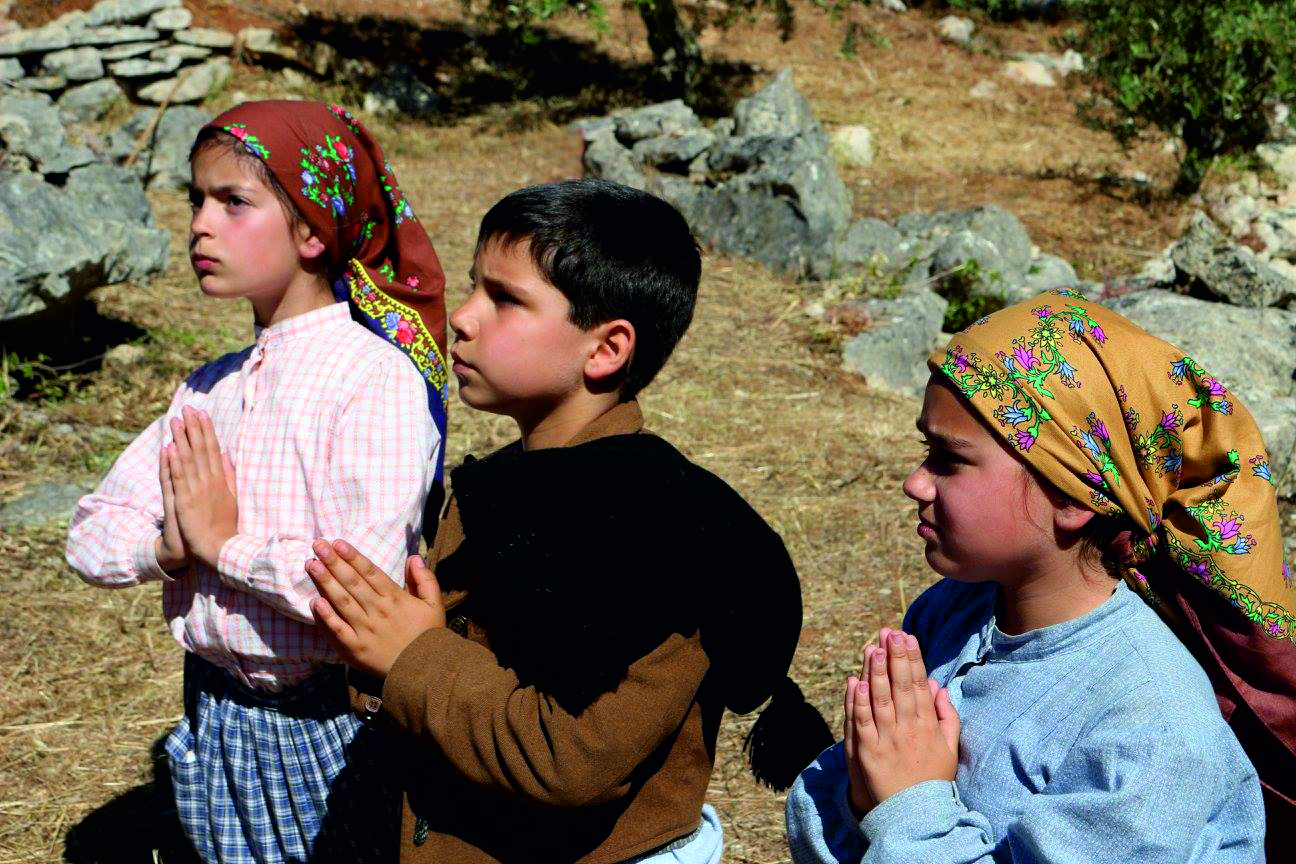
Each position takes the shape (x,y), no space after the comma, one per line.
(420,581)
(229,474)
(948,720)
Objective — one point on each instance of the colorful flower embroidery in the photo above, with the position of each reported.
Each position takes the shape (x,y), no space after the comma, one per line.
(401,324)
(345,116)
(400,205)
(251,142)
(1260,468)
(1096,441)
(329,175)
(1208,390)
(1272,618)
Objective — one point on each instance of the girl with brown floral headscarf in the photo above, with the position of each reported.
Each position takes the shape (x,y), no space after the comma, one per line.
(1103,510)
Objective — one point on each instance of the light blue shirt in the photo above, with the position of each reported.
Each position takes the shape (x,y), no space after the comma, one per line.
(1094,740)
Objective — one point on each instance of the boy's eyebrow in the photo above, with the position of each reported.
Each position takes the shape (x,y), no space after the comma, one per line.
(501,285)
(950,442)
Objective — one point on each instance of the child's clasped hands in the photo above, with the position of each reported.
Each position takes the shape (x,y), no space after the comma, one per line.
(900,728)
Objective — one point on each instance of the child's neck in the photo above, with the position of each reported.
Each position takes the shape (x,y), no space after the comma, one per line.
(564,421)
(306,293)
(1050,596)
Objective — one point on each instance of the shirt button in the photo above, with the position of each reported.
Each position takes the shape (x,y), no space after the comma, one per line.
(459,624)
(372,704)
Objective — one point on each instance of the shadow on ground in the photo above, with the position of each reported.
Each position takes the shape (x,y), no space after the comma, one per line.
(44,356)
(555,78)
(139,826)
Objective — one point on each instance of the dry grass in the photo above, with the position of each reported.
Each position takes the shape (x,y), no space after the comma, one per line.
(92,677)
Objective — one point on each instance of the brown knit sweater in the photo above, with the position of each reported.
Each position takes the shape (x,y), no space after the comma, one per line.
(497,771)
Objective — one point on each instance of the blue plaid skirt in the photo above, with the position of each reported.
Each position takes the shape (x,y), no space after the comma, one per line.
(293,776)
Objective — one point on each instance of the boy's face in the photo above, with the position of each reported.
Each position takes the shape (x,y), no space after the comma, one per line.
(516,351)
(241,244)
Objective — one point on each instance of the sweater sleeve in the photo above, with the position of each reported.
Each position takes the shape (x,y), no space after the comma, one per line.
(383,451)
(450,693)
(1124,793)
(114,529)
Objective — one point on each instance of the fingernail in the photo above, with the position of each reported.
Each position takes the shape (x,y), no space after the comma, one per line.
(321,548)
(342,547)
(911,642)
(897,640)
(879,661)
(314,567)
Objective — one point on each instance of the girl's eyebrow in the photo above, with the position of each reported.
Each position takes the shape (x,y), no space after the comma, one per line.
(227,189)
(949,442)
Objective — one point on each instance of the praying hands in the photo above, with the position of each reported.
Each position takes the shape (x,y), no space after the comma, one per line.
(369,618)
(900,728)
(199,497)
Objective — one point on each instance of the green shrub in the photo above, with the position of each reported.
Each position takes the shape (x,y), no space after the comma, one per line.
(1203,70)
(967,303)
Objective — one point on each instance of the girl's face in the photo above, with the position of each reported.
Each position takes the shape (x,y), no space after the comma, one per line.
(241,243)
(982,515)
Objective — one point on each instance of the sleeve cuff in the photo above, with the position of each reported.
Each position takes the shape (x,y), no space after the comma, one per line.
(237,555)
(844,811)
(147,568)
(935,801)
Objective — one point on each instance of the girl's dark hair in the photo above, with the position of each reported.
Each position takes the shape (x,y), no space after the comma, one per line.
(212,138)
(613,252)
(1098,544)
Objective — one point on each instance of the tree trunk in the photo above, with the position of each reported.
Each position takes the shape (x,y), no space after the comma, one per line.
(677,59)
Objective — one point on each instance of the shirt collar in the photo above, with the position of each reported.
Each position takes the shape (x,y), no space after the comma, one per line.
(300,325)
(1058,638)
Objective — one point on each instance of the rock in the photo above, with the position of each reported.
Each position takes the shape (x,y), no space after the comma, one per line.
(33,135)
(193,85)
(57,244)
(23,42)
(1227,271)
(984,89)
(1068,62)
(653,121)
(205,37)
(1029,72)
(673,151)
(891,354)
(1252,351)
(114,35)
(129,49)
(778,111)
(11,69)
(42,83)
(164,160)
(869,246)
(89,101)
(399,91)
(956,29)
(605,157)
(1281,159)
(944,242)
(41,504)
(74,64)
(140,68)
(264,46)
(853,145)
(894,6)
(180,53)
(1048,272)
(125,11)
(175,18)
(124,356)
(1159,271)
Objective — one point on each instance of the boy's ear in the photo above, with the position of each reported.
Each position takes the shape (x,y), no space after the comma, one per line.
(615,346)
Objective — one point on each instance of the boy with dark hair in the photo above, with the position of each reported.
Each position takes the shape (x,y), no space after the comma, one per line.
(615,597)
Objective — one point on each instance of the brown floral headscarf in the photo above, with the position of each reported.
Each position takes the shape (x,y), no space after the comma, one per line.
(1130,426)
(335,173)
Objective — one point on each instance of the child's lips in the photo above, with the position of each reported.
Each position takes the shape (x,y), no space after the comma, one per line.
(926,530)
(203,262)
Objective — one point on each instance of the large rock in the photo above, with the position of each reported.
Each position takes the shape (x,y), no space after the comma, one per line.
(89,101)
(192,85)
(74,64)
(24,42)
(891,352)
(868,246)
(33,136)
(57,244)
(41,504)
(125,11)
(164,158)
(949,242)
(400,91)
(11,69)
(764,186)
(175,18)
(206,37)
(114,35)
(1222,269)
(1251,351)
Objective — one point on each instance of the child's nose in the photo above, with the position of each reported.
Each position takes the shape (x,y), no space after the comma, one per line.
(917,486)
(460,322)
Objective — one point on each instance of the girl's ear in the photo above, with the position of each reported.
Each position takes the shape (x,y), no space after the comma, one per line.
(1070,516)
(310,248)
(612,352)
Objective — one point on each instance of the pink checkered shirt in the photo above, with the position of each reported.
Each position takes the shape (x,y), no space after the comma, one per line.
(330,436)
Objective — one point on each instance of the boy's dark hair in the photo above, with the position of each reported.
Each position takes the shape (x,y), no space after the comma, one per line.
(614,252)
(212,138)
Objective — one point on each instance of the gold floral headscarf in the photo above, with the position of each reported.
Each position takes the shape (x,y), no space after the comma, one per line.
(1129,425)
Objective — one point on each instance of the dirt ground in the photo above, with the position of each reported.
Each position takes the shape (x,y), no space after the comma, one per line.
(92,678)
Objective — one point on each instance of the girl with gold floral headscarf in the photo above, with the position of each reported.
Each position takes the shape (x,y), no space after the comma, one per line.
(1110,652)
